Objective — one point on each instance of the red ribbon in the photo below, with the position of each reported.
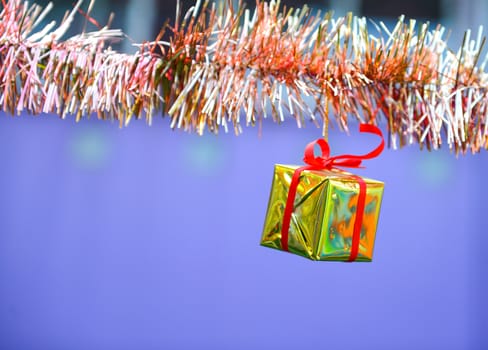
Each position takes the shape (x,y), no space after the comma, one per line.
(325,161)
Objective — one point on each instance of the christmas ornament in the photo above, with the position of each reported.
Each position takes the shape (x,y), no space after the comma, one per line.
(321,212)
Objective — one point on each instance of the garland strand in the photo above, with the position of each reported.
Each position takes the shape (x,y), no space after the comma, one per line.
(224,67)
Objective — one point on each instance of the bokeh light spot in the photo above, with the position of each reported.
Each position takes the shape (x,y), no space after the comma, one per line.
(433,170)
(89,149)
(203,155)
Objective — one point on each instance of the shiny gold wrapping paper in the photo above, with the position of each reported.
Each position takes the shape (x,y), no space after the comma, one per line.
(323,218)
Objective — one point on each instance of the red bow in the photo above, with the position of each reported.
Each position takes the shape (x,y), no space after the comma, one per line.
(325,161)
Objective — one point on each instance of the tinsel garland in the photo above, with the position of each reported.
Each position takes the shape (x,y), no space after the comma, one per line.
(224,67)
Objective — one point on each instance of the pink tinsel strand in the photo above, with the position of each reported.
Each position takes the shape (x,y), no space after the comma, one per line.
(227,67)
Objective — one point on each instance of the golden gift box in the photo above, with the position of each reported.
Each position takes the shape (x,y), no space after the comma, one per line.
(321,212)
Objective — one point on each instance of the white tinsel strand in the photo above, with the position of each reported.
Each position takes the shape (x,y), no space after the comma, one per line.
(271,63)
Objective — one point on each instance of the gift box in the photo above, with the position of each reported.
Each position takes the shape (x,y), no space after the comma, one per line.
(321,212)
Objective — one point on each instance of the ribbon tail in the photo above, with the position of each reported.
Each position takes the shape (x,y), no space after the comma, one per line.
(290,203)
(358,222)
(372,129)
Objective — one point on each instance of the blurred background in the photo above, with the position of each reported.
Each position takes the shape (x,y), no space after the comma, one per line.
(147,238)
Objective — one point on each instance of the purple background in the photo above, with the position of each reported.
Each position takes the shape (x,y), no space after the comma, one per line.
(147,238)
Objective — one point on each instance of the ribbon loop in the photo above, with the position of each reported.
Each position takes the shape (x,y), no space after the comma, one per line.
(320,161)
